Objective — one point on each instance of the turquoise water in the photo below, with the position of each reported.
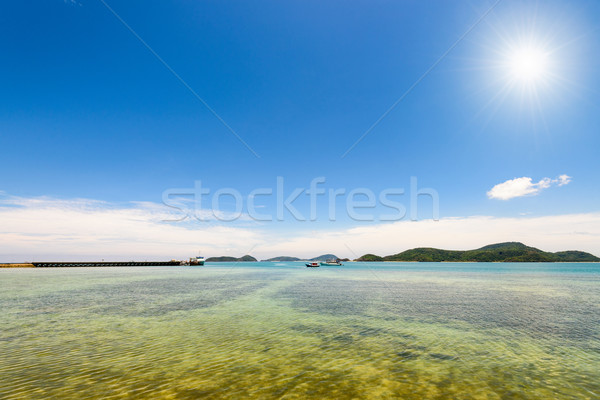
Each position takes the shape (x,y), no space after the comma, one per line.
(280,330)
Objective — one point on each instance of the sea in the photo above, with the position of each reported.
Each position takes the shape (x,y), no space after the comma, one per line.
(269,330)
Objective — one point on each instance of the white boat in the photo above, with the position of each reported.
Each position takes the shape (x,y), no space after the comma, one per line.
(335,262)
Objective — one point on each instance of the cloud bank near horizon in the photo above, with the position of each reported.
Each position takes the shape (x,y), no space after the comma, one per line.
(82,229)
(519,187)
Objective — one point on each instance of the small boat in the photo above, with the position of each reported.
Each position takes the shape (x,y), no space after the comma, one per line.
(335,262)
(313,264)
(196,261)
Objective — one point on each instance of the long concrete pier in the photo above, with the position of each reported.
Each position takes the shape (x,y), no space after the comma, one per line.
(61,264)
(105,264)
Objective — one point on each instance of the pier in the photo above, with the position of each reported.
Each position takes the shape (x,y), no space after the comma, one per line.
(106,264)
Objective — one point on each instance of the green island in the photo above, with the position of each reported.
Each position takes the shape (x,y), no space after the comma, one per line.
(283,258)
(499,252)
(369,257)
(323,257)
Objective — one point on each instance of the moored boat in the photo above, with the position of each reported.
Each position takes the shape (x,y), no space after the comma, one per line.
(335,262)
(313,264)
(197,260)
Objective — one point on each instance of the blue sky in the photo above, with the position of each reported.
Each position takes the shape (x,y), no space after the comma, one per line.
(88,112)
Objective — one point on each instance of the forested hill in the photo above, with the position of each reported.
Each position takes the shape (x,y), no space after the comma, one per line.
(500,252)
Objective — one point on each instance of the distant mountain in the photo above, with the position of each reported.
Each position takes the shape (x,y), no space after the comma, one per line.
(574,255)
(283,258)
(369,257)
(324,257)
(499,252)
(230,259)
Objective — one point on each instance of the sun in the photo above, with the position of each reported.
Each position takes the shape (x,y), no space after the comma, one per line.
(529,60)
(528,64)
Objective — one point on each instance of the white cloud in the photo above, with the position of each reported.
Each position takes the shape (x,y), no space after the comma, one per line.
(519,187)
(549,233)
(563,180)
(51,229)
(82,228)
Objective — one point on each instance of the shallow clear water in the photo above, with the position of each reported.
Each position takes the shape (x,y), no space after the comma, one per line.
(280,330)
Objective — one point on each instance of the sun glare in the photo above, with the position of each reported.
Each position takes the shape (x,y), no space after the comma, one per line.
(528,64)
(528,56)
